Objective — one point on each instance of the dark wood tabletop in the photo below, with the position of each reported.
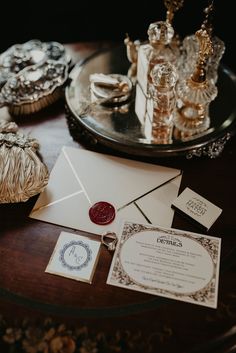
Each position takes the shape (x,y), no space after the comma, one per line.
(130,321)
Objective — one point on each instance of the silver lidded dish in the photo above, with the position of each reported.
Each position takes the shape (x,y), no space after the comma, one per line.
(19,56)
(34,87)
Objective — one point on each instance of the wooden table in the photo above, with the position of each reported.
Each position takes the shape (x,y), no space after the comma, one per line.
(130,320)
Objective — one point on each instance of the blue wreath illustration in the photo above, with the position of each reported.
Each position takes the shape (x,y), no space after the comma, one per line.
(67,246)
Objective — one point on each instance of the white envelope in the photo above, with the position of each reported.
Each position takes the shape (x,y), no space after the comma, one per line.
(140,192)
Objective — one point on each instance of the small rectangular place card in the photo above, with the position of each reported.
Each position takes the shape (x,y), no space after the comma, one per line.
(171,263)
(197,208)
(75,257)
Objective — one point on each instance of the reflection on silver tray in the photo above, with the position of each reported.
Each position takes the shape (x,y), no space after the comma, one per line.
(120,128)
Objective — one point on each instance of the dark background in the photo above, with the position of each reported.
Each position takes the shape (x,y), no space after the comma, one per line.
(71,21)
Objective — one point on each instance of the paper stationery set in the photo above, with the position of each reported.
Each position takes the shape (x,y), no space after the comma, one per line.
(153,258)
(140,192)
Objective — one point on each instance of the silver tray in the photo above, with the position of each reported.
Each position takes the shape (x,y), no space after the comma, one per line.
(120,128)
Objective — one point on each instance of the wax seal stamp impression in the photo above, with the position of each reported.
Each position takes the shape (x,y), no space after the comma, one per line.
(102,213)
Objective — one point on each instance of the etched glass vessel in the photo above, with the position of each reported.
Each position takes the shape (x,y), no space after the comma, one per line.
(162,91)
(189,56)
(195,93)
(164,78)
(191,48)
(160,49)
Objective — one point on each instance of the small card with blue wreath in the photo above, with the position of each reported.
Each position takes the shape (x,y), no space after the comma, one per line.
(75,257)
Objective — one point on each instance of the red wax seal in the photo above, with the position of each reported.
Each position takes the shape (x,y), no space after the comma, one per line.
(102,213)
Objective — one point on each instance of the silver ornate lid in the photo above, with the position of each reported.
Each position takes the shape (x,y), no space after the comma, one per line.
(34,87)
(19,56)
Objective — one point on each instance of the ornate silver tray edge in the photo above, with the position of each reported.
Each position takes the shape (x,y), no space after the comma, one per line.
(210,145)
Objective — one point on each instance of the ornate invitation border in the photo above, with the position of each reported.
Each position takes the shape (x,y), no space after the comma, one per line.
(211,245)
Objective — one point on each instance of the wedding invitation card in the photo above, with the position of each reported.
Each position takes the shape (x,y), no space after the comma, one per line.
(167,262)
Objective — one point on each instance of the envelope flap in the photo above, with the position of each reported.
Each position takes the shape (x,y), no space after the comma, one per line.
(116,179)
(62,183)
